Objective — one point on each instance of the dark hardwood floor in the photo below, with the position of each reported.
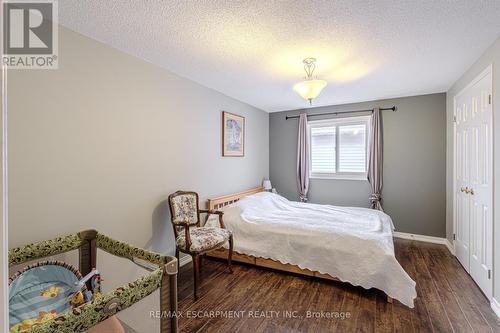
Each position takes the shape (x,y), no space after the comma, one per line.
(263,300)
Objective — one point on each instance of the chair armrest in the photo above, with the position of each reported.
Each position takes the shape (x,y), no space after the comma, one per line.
(208,211)
(215,212)
(187,236)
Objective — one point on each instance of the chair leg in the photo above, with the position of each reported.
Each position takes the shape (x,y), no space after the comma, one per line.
(178,260)
(196,270)
(230,254)
(202,258)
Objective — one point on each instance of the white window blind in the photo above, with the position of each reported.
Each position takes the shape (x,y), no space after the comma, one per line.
(323,152)
(338,148)
(352,148)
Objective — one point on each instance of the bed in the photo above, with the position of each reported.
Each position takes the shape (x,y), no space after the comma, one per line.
(315,240)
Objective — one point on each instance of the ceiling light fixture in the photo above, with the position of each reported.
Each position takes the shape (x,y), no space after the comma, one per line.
(309,88)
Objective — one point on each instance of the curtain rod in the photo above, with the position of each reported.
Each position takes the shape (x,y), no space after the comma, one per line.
(342,112)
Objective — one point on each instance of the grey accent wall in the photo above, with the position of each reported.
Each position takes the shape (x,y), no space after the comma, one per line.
(490,57)
(414,169)
(102,141)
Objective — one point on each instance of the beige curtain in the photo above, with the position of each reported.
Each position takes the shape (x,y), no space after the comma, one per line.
(303,159)
(376,160)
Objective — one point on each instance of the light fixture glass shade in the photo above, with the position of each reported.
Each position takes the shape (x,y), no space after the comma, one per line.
(309,89)
(267,185)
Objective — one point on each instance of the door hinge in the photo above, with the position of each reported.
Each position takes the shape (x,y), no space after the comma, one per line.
(454,119)
(489,274)
(454,237)
(489,99)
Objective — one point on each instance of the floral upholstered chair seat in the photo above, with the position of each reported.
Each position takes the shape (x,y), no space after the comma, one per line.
(203,239)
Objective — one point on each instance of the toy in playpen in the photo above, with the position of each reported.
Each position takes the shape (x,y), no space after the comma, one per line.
(52,296)
(46,289)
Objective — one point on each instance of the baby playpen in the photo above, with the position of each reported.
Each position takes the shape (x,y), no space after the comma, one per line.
(162,275)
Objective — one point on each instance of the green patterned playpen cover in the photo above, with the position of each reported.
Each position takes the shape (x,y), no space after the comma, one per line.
(80,319)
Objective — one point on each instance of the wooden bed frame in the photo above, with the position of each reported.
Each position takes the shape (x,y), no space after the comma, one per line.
(220,202)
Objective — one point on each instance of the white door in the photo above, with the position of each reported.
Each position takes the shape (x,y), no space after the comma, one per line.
(462,226)
(474,175)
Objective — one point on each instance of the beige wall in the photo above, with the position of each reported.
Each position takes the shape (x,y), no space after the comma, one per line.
(102,141)
(490,57)
(414,190)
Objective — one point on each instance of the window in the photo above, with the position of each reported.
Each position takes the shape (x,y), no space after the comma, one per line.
(338,148)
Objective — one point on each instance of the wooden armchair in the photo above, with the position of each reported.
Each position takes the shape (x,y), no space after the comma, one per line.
(190,236)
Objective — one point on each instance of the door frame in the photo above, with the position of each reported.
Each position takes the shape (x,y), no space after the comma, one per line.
(4,247)
(486,71)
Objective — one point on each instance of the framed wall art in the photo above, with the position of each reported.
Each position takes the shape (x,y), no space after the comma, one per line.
(233,134)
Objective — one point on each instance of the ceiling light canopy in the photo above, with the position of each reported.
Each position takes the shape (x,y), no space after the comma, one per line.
(310,88)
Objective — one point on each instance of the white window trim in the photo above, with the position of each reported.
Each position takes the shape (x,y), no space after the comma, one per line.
(340,176)
(344,121)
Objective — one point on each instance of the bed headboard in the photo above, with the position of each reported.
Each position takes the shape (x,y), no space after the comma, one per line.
(219,202)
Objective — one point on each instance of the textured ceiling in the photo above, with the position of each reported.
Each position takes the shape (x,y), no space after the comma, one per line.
(253,50)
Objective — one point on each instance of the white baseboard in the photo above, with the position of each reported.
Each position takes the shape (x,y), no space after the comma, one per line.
(450,246)
(495,306)
(428,239)
(184,260)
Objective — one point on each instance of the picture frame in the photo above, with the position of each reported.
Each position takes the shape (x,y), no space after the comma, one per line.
(233,135)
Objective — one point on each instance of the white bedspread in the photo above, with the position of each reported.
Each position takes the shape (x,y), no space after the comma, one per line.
(353,244)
